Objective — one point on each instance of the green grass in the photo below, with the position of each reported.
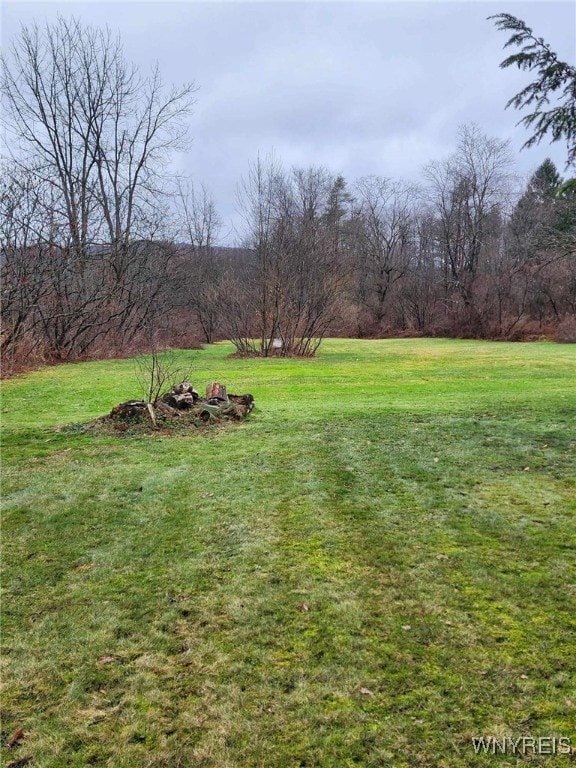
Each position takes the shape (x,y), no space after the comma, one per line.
(417,496)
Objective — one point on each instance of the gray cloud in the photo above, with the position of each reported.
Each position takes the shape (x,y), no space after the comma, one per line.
(374,87)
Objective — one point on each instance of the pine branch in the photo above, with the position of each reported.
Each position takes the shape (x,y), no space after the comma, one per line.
(556,80)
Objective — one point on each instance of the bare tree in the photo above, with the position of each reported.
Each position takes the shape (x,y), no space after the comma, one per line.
(420,290)
(198,219)
(25,245)
(158,372)
(200,274)
(296,272)
(257,197)
(87,126)
(466,190)
(385,240)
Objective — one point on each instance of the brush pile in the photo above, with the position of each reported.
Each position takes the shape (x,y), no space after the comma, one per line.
(183,403)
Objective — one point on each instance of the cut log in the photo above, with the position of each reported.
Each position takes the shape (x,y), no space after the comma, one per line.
(184,388)
(247,401)
(234,411)
(165,411)
(216,393)
(182,402)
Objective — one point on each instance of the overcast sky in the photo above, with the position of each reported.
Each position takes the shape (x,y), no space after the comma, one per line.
(359,87)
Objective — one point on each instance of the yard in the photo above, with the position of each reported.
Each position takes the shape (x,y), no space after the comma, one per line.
(375,568)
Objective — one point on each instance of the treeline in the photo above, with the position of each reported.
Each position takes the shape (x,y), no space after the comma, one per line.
(102,253)
(461,255)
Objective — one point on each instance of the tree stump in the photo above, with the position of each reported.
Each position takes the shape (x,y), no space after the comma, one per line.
(216,394)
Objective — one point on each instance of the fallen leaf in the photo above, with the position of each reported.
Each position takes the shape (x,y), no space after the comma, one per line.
(16,738)
(106,659)
(366,692)
(303,607)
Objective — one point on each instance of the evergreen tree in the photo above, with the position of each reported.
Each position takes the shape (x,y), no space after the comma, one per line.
(544,218)
(551,97)
(545,181)
(535,211)
(338,212)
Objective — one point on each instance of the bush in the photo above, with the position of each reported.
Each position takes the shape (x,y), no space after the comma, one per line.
(566,332)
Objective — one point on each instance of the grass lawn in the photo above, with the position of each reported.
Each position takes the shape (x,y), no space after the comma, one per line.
(375,567)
